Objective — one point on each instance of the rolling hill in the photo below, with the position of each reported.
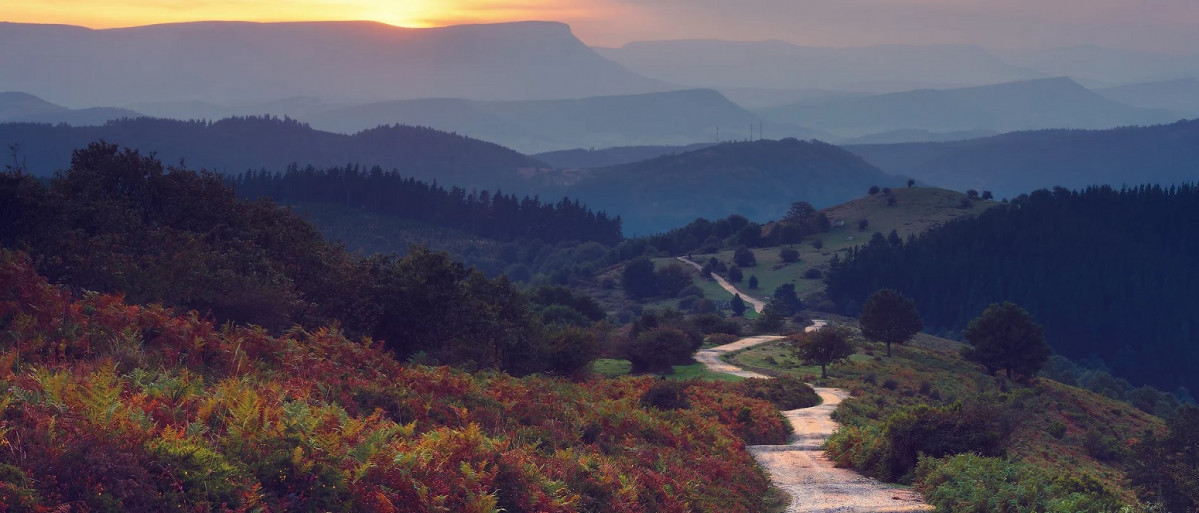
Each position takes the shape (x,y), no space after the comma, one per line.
(238,144)
(1181,95)
(1017,163)
(667,118)
(582,158)
(1028,105)
(237,63)
(16,107)
(758,180)
(781,65)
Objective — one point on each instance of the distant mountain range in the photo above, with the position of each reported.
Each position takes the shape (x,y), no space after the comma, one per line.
(23,107)
(241,63)
(1035,104)
(781,65)
(758,180)
(608,157)
(668,118)
(1097,66)
(1181,95)
(239,144)
(1016,163)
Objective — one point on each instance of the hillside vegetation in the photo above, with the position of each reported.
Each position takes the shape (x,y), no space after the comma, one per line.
(928,417)
(107,405)
(1108,272)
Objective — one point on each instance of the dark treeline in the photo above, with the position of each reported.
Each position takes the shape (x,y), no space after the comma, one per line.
(494,215)
(116,221)
(1109,273)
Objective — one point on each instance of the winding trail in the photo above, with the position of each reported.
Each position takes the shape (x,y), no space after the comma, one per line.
(756,304)
(800,468)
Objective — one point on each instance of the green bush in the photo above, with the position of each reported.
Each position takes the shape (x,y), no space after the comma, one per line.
(975,484)
(785,392)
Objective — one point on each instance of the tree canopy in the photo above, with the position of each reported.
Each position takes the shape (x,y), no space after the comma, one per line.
(1006,338)
(890,317)
(823,347)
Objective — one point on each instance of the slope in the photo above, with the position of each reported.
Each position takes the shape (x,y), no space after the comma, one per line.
(235,145)
(1047,103)
(1017,163)
(235,62)
(758,180)
(667,118)
(24,107)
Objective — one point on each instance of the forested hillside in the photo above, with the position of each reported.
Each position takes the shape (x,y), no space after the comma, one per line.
(1109,272)
(495,215)
(235,145)
(117,221)
(758,180)
(1015,163)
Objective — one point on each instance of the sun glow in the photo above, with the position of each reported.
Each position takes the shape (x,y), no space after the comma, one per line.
(404,13)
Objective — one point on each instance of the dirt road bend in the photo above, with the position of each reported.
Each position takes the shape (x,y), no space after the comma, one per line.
(756,304)
(800,467)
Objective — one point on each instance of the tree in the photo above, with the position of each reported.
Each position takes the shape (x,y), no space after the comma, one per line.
(785,300)
(1166,469)
(770,320)
(737,305)
(890,317)
(671,280)
(744,257)
(823,347)
(753,282)
(873,190)
(789,255)
(1005,337)
(639,280)
(987,195)
(735,274)
(972,194)
(911,182)
(863,224)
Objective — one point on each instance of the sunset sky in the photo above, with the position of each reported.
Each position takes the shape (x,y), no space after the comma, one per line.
(1161,25)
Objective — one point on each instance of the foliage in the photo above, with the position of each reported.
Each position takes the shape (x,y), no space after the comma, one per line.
(659,348)
(666,395)
(737,305)
(1126,244)
(1166,469)
(744,257)
(824,347)
(735,275)
(977,484)
(488,214)
(789,255)
(786,300)
(1006,338)
(785,392)
(890,317)
(638,279)
(111,406)
(753,282)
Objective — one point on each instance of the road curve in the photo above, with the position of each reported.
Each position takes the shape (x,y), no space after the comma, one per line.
(757,305)
(800,468)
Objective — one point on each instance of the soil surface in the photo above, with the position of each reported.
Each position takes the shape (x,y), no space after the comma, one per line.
(757,305)
(800,468)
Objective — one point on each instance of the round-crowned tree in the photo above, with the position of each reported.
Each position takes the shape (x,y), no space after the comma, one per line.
(1005,337)
(890,317)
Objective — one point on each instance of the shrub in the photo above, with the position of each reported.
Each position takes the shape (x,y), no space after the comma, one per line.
(813,274)
(975,484)
(785,392)
(890,384)
(666,395)
(789,255)
(657,349)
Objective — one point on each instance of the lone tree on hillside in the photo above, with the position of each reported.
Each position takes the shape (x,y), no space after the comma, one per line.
(785,300)
(823,347)
(735,275)
(1006,337)
(753,281)
(744,257)
(737,305)
(890,317)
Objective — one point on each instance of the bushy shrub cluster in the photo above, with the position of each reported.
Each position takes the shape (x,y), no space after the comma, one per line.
(970,483)
(890,450)
(785,392)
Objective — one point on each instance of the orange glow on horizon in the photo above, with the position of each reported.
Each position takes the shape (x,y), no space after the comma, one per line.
(403,13)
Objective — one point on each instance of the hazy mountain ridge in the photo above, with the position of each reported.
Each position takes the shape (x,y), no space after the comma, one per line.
(758,180)
(1016,163)
(781,65)
(230,62)
(17,107)
(1027,105)
(238,144)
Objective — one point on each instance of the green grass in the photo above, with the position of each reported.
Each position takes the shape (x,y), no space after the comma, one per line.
(930,370)
(614,368)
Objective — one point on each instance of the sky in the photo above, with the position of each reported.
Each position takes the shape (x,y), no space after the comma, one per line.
(1158,25)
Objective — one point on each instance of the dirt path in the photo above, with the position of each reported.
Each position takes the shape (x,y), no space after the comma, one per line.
(801,468)
(757,305)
